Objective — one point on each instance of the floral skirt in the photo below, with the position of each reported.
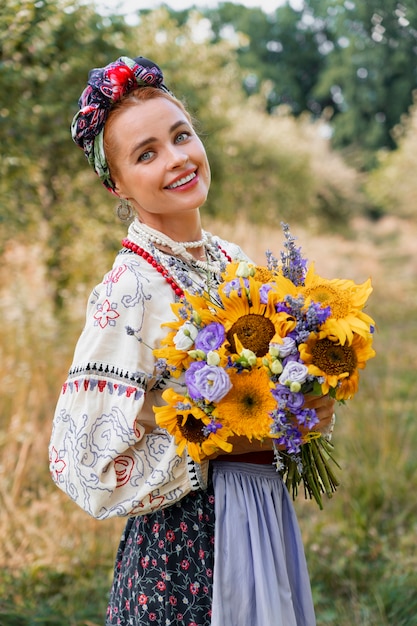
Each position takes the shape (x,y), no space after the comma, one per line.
(164,566)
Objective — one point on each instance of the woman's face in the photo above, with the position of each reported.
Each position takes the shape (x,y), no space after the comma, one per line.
(161,164)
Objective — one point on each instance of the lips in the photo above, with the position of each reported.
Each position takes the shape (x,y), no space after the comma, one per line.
(182,181)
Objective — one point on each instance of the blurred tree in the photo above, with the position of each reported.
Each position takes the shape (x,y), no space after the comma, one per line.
(46,48)
(392,186)
(276,48)
(371,68)
(354,61)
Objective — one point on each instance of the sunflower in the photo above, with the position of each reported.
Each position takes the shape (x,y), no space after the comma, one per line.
(186,422)
(252,322)
(263,275)
(245,409)
(345,299)
(337,364)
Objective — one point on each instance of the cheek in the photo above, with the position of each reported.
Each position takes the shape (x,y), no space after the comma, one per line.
(207,172)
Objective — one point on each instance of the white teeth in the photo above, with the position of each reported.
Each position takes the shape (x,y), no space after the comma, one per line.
(182,181)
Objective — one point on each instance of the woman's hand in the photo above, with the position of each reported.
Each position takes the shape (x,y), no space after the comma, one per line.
(324,406)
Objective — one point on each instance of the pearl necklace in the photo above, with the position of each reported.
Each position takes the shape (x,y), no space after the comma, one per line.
(148,238)
(177,272)
(160,239)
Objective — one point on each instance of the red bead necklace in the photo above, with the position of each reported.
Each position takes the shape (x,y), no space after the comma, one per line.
(126,243)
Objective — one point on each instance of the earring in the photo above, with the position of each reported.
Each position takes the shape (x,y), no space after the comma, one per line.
(124,210)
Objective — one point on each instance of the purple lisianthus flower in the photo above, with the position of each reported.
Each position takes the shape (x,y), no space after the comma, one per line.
(210,382)
(210,337)
(264,291)
(193,390)
(286,398)
(287,347)
(290,358)
(282,307)
(293,372)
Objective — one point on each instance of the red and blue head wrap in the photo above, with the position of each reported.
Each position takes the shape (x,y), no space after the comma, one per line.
(107,85)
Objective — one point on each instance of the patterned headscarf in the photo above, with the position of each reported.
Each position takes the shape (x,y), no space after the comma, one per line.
(107,85)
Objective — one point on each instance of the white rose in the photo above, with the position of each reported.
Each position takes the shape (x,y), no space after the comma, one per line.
(184,339)
(293,372)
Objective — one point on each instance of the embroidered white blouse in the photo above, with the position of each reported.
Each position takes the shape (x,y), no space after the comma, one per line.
(106,451)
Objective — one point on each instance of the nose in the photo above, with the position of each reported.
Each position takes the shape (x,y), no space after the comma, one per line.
(177,157)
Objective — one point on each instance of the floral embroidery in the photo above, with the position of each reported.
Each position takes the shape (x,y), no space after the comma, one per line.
(106,314)
(57,465)
(123,466)
(113,276)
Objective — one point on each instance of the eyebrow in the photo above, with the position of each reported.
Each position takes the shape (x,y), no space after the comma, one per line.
(149,140)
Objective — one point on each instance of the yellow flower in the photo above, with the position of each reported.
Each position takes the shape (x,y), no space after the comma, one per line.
(245,409)
(345,299)
(177,360)
(263,275)
(253,323)
(338,364)
(186,423)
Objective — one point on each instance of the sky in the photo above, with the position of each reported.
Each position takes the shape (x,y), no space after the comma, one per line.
(126,7)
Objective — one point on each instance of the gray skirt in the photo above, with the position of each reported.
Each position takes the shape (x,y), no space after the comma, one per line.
(260,571)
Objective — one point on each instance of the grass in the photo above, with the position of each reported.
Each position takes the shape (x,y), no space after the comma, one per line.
(56,562)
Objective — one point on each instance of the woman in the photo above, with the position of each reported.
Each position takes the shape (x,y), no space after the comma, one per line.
(106,451)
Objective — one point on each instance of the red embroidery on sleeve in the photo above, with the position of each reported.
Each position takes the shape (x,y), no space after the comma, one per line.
(105,314)
(124,466)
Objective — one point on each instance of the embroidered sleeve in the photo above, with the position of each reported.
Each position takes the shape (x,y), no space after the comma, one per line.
(106,452)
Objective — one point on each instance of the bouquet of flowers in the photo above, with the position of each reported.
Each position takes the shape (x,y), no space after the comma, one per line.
(251,352)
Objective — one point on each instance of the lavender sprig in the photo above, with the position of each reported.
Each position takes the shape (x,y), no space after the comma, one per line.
(294,265)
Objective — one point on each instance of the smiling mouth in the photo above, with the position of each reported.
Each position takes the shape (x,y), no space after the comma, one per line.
(182,181)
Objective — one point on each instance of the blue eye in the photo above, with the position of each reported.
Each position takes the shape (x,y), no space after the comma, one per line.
(183,136)
(145,156)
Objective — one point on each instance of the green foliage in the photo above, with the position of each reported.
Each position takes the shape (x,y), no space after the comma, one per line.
(275,50)
(41,78)
(370,69)
(355,60)
(290,172)
(45,597)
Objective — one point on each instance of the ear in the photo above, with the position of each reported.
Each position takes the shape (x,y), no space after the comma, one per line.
(119,193)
